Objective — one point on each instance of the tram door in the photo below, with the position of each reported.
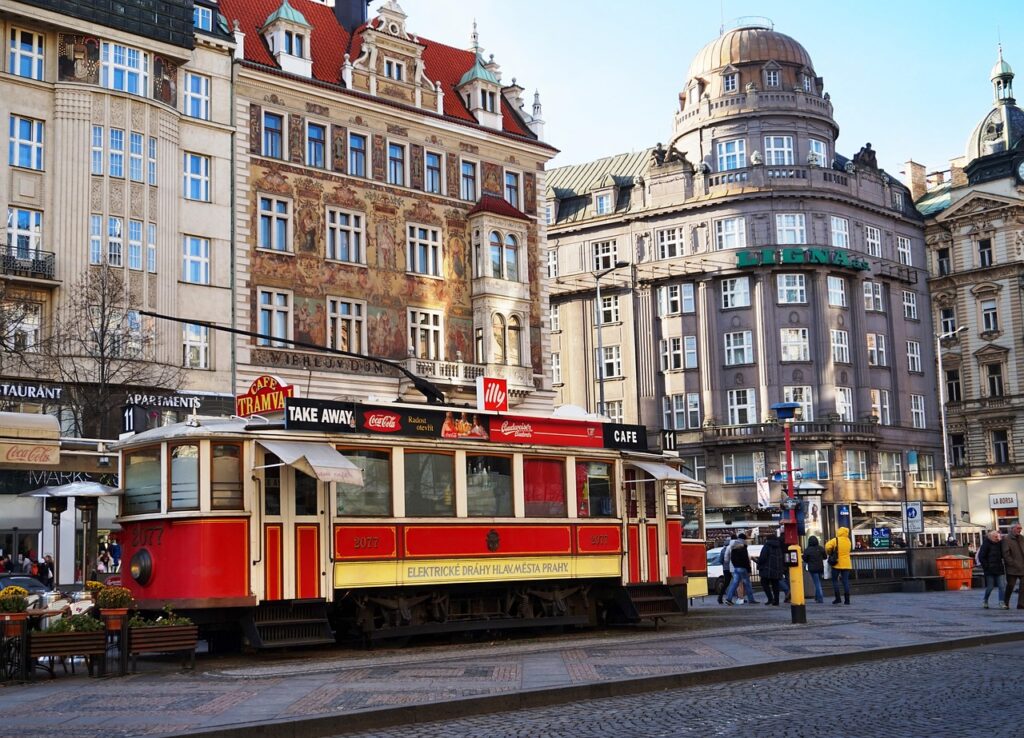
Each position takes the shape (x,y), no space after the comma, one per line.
(642,528)
(293,533)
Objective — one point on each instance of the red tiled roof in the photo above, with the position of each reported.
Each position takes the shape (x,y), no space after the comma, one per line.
(329,42)
(492,204)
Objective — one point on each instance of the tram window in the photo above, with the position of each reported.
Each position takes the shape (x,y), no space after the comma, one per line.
(271,485)
(693,517)
(544,488)
(594,497)
(488,486)
(429,484)
(142,482)
(305,494)
(184,477)
(373,496)
(226,484)
(671,498)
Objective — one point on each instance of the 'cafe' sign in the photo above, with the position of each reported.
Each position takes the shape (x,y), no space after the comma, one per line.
(792,255)
(266,394)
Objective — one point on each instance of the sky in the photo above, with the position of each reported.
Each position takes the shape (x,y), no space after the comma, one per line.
(909,76)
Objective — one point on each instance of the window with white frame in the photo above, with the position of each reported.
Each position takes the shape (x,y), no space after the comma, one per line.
(802,396)
(909,305)
(25,53)
(196,181)
(984,252)
(903,250)
(790,228)
(24,232)
(689,352)
(556,368)
(25,148)
(735,292)
(346,326)
(394,70)
(554,317)
(880,406)
(273,135)
(274,222)
(914,356)
(874,297)
(671,350)
(202,18)
(812,463)
(433,178)
(840,346)
(696,465)
(22,333)
(730,233)
(669,243)
(115,242)
(95,239)
(792,289)
(195,263)
(275,317)
(669,302)
(730,82)
(151,248)
(396,164)
(136,146)
(124,68)
(917,411)
(818,151)
(994,377)
(295,44)
(195,349)
(608,309)
(689,302)
(836,291)
(673,408)
(739,348)
(742,406)
(316,145)
(96,150)
(693,410)
(197,96)
(954,388)
(855,465)
(357,155)
(738,468)
(890,467)
(772,78)
(873,241)
(795,344)
(876,350)
(467,189)
(423,250)
(925,469)
(504,259)
(345,236)
(947,320)
(844,404)
(731,154)
(426,334)
(604,255)
(778,150)
(602,204)
(151,163)
(897,200)
(613,410)
(610,363)
(512,189)
(807,82)
(116,153)
(840,232)
(989,316)
(552,262)
(1000,440)
(135,245)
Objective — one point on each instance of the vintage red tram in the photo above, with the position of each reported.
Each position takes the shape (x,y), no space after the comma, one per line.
(394,520)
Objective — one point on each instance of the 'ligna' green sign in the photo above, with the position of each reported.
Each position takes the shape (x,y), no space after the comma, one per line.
(828,257)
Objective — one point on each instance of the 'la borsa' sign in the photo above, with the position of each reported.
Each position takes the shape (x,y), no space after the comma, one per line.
(792,255)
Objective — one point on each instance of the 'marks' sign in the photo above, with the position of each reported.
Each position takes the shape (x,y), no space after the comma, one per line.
(829,257)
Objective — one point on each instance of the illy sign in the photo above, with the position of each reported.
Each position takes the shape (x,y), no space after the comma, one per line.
(492,394)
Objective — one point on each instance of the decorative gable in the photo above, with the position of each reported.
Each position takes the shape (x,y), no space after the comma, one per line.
(480,87)
(287,34)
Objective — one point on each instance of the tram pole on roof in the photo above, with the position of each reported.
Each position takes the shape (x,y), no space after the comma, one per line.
(427,388)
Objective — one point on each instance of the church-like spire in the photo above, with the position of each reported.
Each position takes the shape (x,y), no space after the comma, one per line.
(1002,79)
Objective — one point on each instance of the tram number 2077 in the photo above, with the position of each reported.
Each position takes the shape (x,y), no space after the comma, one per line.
(147,536)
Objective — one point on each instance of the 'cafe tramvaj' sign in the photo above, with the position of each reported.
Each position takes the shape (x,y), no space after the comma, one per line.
(799,255)
(266,394)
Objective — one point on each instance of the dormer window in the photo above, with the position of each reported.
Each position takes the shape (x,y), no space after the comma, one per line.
(808,83)
(202,18)
(771,78)
(731,82)
(603,204)
(294,43)
(488,101)
(394,70)
(287,35)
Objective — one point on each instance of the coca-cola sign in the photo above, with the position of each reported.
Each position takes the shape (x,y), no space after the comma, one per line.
(382,421)
(29,453)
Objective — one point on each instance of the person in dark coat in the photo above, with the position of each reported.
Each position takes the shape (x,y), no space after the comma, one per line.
(740,560)
(814,558)
(990,559)
(771,565)
(1013,559)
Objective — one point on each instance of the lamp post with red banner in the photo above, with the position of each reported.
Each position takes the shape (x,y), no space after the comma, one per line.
(786,411)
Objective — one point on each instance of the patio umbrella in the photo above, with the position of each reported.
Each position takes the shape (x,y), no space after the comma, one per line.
(73,489)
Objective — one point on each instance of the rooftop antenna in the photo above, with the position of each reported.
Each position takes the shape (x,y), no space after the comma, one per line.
(721,17)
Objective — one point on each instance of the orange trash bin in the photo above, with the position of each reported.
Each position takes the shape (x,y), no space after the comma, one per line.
(956,570)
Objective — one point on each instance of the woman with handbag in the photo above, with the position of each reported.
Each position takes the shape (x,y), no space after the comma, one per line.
(838,550)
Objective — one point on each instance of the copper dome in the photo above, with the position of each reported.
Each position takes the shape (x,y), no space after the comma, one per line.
(753,43)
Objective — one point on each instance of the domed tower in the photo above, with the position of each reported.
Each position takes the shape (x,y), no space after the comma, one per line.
(752,78)
(1002,128)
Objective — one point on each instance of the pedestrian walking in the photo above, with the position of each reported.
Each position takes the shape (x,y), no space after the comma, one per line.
(990,559)
(770,566)
(723,559)
(1013,559)
(839,548)
(740,559)
(814,558)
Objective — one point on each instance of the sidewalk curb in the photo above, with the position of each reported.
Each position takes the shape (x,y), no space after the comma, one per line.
(388,717)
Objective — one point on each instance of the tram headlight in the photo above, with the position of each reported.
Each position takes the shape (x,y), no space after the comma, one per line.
(141,567)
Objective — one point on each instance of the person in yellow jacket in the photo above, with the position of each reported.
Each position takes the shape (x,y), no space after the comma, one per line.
(842,546)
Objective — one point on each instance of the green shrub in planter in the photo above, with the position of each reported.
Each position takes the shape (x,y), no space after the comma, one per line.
(81,623)
(168,619)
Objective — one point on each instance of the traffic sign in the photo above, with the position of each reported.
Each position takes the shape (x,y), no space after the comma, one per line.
(881,537)
(915,517)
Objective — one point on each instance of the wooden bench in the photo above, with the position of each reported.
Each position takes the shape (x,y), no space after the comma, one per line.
(164,639)
(51,646)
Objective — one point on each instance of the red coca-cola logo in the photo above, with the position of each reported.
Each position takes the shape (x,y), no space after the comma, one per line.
(382,421)
(31,454)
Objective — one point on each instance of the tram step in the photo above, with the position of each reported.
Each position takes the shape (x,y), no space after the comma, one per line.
(286,623)
(652,602)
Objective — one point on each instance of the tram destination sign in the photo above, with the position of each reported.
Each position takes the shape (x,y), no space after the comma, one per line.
(790,255)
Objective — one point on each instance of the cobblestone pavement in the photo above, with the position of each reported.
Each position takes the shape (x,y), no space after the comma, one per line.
(234,692)
(962,693)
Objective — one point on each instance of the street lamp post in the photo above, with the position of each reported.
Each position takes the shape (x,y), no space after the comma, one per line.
(939,338)
(600,322)
(785,411)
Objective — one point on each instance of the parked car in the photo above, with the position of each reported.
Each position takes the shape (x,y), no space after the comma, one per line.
(33,585)
(716,582)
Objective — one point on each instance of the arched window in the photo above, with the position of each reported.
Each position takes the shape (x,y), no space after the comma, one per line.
(496,254)
(511,258)
(498,330)
(514,342)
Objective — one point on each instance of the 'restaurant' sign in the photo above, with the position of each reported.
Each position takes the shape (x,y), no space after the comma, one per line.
(492,394)
(266,394)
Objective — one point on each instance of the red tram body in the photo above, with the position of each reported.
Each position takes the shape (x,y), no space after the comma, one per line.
(383,521)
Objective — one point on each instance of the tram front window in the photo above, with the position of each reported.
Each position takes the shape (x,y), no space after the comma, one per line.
(693,517)
(305,494)
(429,484)
(373,496)
(272,484)
(489,486)
(594,489)
(184,477)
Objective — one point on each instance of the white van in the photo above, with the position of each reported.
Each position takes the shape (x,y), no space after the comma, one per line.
(716,582)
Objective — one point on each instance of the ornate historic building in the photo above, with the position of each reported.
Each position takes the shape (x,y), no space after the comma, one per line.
(975,232)
(386,205)
(763,267)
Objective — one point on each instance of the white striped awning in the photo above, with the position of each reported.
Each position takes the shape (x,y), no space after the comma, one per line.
(320,460)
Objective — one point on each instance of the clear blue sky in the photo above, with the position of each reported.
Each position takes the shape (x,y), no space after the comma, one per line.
(910,76)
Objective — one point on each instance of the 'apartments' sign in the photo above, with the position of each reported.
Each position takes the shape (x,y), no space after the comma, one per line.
(790,255)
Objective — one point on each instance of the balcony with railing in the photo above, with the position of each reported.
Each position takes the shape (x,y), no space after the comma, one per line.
(825,430)
(463,374)
(776,177)
(17,261)
(755,101)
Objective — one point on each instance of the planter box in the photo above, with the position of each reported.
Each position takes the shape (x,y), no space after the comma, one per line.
(56,645)
(164,639)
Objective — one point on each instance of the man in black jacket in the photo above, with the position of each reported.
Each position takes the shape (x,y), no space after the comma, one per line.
(1013,559)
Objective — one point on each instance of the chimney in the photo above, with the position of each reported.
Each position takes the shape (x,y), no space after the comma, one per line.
(957,178)
(351,13)
(915,179)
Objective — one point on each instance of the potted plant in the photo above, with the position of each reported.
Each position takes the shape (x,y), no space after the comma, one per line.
(93,587)
(13,604)
(168,633)
(113,603)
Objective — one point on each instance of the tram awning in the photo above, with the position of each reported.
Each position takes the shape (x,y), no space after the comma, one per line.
(320,460)
(662,472)
(29,439)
